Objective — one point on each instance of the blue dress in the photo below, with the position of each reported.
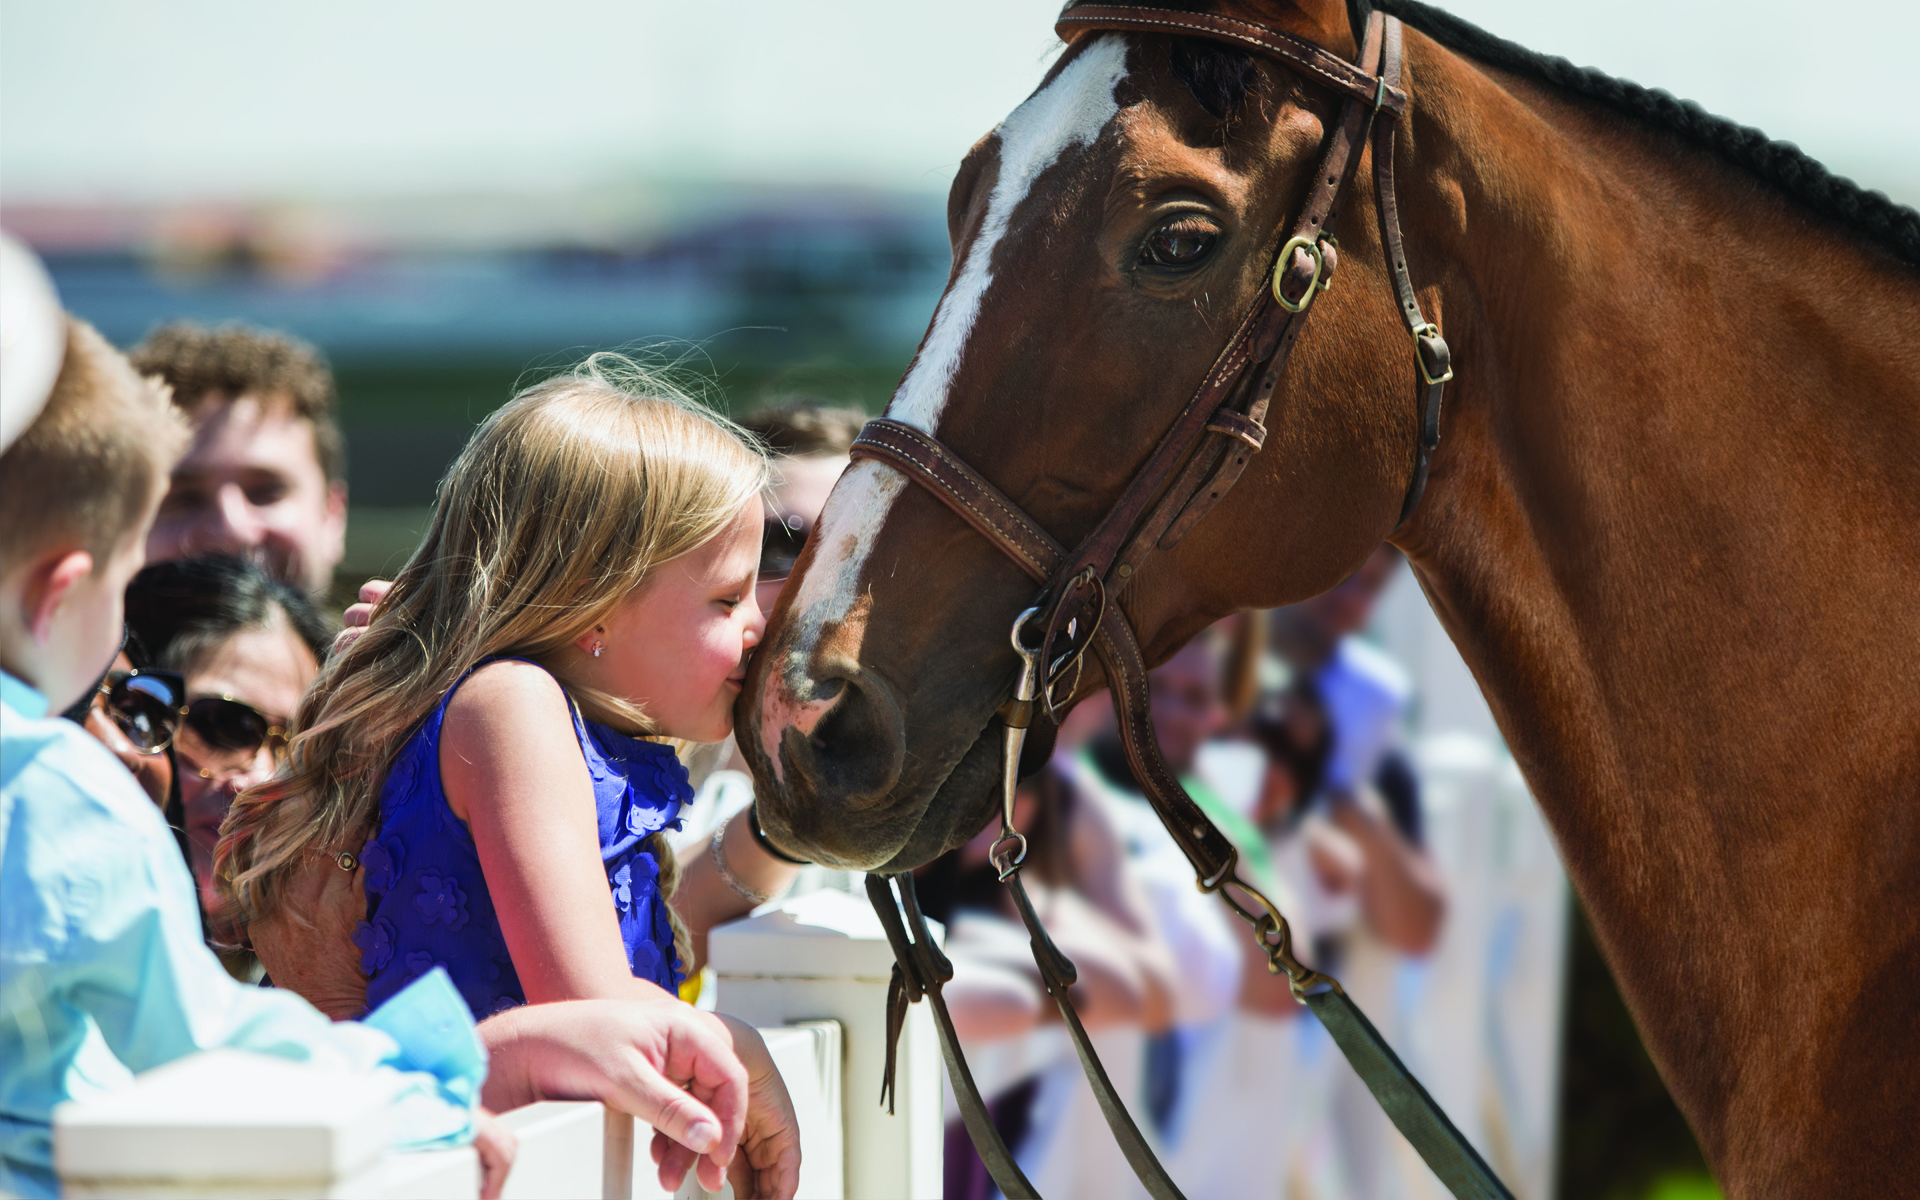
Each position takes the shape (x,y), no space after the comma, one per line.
(427,901)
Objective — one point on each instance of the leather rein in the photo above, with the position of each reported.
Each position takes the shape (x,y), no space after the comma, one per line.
(1199,459)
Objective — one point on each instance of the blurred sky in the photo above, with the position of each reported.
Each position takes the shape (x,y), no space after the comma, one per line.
(245,99)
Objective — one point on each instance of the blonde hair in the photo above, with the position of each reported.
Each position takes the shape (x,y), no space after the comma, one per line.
(564,502)
(89,468)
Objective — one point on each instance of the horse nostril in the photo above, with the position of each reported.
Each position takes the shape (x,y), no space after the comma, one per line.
(847,741)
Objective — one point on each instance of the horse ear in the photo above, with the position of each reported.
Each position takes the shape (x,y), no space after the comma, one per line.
(1326,23)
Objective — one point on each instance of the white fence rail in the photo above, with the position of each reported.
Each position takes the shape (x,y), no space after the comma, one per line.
(811,975)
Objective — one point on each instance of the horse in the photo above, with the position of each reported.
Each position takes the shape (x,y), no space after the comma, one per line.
(1669,523)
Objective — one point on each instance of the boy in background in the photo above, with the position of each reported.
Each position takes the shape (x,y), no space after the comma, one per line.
(102,970)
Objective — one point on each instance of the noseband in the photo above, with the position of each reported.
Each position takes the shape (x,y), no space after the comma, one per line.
(1200,458)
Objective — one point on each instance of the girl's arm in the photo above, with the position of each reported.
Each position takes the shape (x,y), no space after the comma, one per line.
(515,774)
(513,771)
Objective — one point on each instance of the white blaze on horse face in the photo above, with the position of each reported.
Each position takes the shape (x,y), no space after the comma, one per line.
(852,518)
(1070,111)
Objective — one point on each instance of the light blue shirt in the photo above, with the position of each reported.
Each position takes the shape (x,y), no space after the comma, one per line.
(103,972)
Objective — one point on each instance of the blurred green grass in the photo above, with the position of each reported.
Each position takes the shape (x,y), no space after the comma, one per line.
(1685,1187)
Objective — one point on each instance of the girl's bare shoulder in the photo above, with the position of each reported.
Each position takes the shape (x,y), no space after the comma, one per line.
(507,726)
(508,694)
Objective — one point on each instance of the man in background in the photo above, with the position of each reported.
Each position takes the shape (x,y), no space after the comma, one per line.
(1371,792)
(265,474)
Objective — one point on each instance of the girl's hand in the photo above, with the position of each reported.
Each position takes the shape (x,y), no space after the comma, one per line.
(496,1146)
(665,1062)
(768,1164)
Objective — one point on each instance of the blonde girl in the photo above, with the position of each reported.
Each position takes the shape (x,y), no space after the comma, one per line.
(489,747)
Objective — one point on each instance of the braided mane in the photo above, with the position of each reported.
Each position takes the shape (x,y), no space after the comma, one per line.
(1219,79)
(1870,214)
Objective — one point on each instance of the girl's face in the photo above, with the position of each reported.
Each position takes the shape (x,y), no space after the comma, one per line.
(678,646)
(269,669)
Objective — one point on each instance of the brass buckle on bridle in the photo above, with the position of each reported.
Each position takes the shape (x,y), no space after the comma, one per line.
(1431,332)
(1319,283)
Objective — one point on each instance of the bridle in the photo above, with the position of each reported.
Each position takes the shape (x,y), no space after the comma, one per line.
(1199,459)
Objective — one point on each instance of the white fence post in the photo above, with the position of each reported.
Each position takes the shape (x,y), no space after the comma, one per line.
(232,1123)
(616,1155)
(824,956)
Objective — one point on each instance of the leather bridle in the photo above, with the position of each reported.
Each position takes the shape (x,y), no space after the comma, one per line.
(1200,458)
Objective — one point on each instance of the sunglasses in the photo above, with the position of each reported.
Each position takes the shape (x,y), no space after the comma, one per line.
(781,541)
(229,726)
(146,706)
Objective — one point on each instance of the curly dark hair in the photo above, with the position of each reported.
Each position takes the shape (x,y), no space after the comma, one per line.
(234,360)
(182,608)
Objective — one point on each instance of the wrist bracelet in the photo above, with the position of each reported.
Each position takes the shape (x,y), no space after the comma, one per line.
(716,850)
(761,840)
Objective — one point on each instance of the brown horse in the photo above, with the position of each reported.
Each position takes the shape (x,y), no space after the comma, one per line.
(1671,524)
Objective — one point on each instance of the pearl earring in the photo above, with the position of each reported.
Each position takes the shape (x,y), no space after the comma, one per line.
(597,648)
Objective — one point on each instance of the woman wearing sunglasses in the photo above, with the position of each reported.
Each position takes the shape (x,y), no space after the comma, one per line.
(234,650)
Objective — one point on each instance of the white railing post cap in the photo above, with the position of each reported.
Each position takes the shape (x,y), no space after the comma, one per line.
(226,1114)
(822,935)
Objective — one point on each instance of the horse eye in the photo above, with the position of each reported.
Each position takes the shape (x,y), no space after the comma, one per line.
(1181,244)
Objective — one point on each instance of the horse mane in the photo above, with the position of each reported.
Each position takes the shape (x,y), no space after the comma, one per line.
(1782,164)
(1220,78)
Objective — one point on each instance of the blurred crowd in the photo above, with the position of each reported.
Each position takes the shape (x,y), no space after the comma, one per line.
(1286,727)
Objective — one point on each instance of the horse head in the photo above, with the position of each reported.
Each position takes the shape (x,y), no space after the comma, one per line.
(1108,237)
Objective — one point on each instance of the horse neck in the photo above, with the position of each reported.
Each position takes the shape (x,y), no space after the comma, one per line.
(1670,528)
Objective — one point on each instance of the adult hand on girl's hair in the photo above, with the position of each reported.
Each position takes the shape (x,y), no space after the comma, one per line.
(665,1062)
(357,616)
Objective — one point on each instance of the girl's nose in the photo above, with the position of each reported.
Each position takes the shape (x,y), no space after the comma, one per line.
(756,622)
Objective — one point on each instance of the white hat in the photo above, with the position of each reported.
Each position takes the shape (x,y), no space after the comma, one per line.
(33,338)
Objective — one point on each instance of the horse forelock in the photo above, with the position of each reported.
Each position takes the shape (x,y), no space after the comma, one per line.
(1069,111)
